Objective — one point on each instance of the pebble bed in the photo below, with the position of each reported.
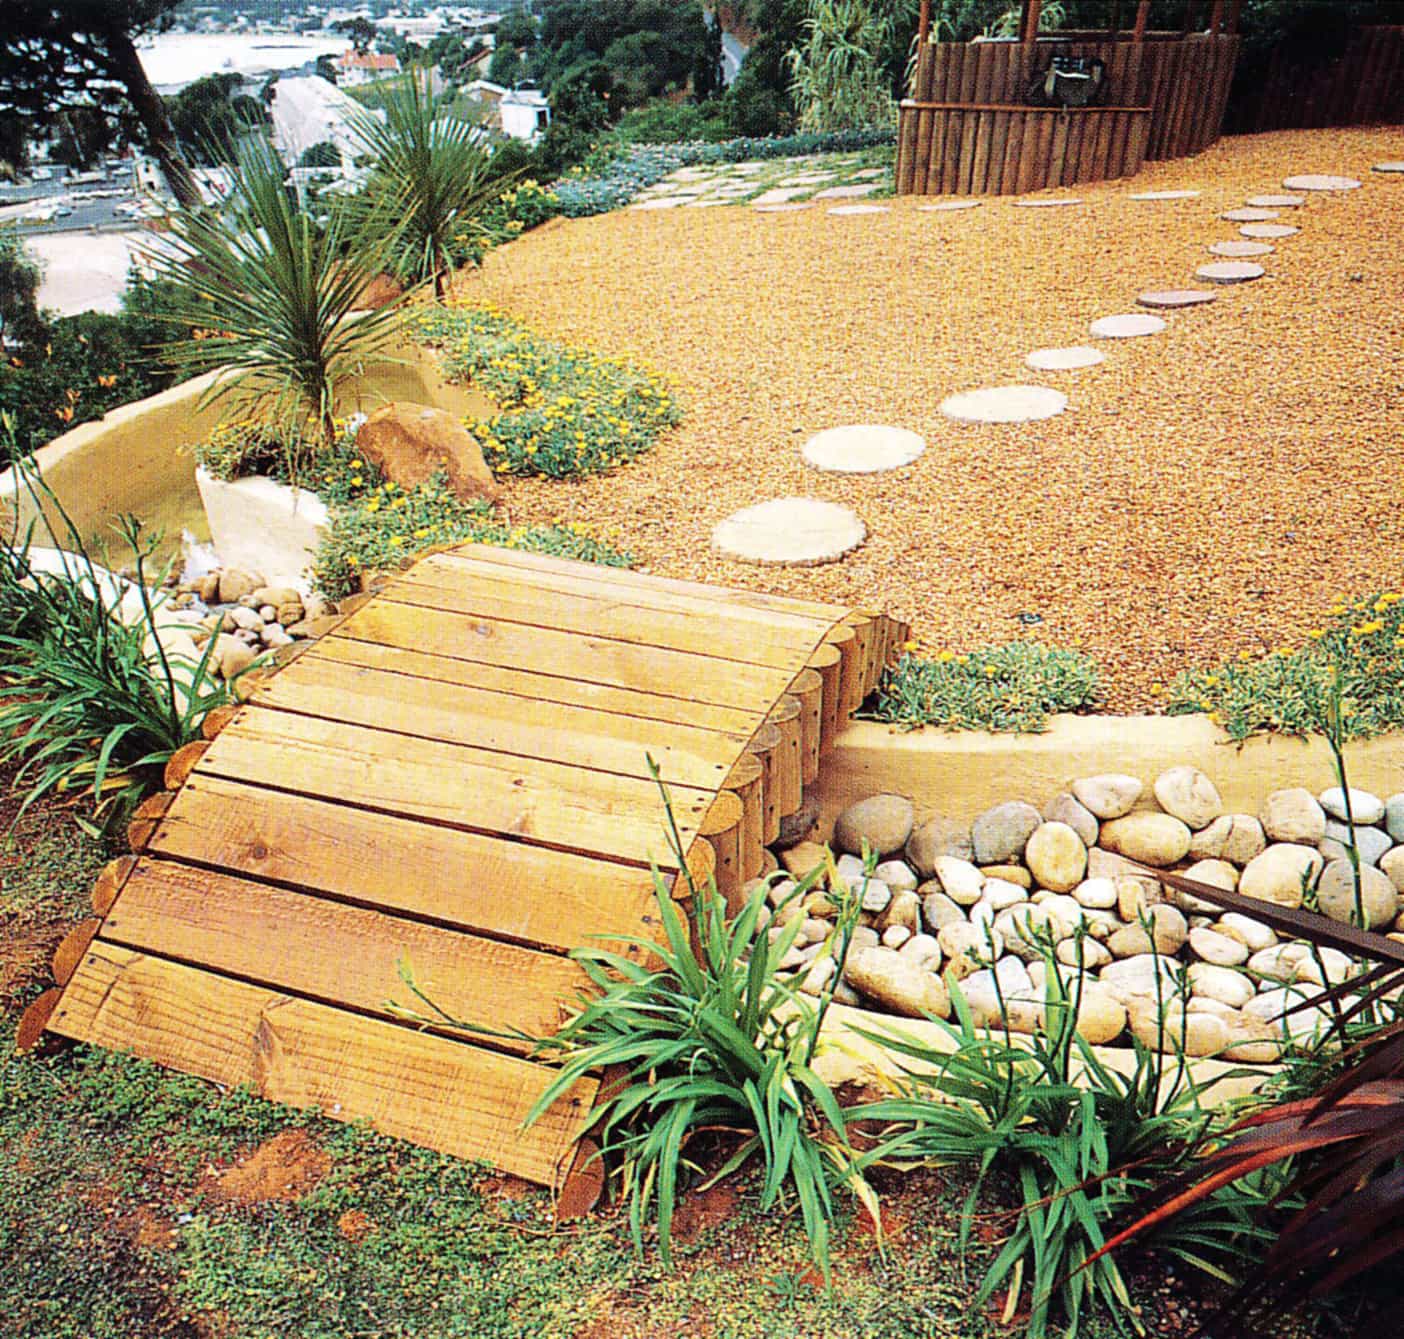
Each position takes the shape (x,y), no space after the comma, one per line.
(1207,492)
(964,906)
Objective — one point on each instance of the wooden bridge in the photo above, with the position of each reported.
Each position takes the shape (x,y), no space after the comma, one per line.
(455,777)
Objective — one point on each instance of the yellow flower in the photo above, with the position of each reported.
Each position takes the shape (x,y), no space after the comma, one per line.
(991,671)
(945,656)
(1245,655)
(909,646)
(1365,629)
(1316,634)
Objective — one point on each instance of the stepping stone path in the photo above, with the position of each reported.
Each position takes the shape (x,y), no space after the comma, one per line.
(779,195)
(1317,182)
(1239,250)
(780,209)
(1045,204)
(1131,326)
(662,202)
(845,192)
(1230,271)
(863,448)
(1269,230)
(859,209)
(1276,201)
(1388,167)
(1166,195)
(1005,404)
(870,174)
(1248,215)
(1177,297)
(793,531)
(1065,360)
(811,179)
(949,206)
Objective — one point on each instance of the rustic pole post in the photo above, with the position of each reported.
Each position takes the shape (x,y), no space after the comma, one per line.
(1115,28)
(1216,18)
(1028,31)
(1235,14)
(1138,34)
(1189,18)
(923,26)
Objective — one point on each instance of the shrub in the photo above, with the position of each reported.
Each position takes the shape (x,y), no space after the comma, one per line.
(667,122)
(1358,649)
(517,210)
(565,411)
(1014,687)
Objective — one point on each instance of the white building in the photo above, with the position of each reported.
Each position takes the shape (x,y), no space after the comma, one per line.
(520,113)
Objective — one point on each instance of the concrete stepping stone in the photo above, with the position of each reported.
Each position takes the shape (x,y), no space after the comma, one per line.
(1130,326)
(662,202)
(708,202)
(806,179)
(780,209)
(790,531)
(862,448)
(870,174)
(1248,215)
(1316,181)
(1046,204)
(1005,404)
(1166,195)
(1388,167)
(1276,201)
(1065,360)
(949,206)
(691,174)
(846,192)
(1176,297)
(780,195)
(1262,230)
(1230,272)
(858,209)
(1241,250)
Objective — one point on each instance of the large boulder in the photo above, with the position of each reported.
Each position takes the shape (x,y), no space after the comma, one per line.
(884,822)
(410,443)
(897,983)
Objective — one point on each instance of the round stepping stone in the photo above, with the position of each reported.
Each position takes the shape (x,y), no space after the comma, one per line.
(793,531)
(846,192)
(1166,195)
(662,202)
(859,209)
(1276,201)
(1240,250)
(1388,167)
(1269,230)
(1065,360)
(949,206)
(862,448)
(1248,215)
(1230,272)
(1005,404)
(1045,204)
(1314,181)
(1131,326)
(780,209)
(1177,297)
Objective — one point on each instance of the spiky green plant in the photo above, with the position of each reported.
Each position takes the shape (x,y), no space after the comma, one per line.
(432,170)
(271,297)
(838,82)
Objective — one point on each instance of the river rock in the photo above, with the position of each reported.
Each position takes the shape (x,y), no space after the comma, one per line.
(1392,867)
(1135,895)
(1224,984)
(1394,817)
(1364,807)
(1233,837)
(1101,1017)
(896,875)
(1254,934)
(235,584)
(1107,796)
(1302,1021)
(894,936)
(1151,839)
(897,983)
(1198,1034)
(1217,874)
(798,826)
(1335,894)
(1325,967)
(903,910)
(1293,816)
(1189,795)
(1168,927)
(1002,832)
(1001,895)
(1370,843)
(1130,977)
(884,821)
(1219,949)
(1066,808)
(938,910)
(1276,875)
(1009,874)
(924,950)
(935,837)
(1100,894)
(232,656)
(1278,963)
(969,947)
(1056,856)
(961,881)
(410,443)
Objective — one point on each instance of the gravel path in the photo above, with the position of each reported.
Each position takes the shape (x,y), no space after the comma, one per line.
(1208,489)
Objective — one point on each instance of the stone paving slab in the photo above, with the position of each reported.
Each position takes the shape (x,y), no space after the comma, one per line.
(1248,215)
(1005,404)
(1316,181)
(1065,360)
(1241,250)
(1230,272)
(1177,297)
(862,448)
(1262,230)
(790,531)
(1166,195)
(949,206)
(858,209)
(1277,201)
(1131,325)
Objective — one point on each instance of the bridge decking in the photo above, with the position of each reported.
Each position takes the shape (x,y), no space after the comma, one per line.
(456,777)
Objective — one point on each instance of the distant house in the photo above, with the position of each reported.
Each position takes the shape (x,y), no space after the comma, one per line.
(520,113)
(360,67)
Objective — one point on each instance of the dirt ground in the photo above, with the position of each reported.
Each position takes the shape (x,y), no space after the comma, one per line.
(1209,490)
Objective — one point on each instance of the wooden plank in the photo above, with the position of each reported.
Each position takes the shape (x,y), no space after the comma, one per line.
(969,76)
(459,879)
(458,714)
(341,955)
(620,578)
(1072,162)
(441,1093)
(1013,153)
(698,631)
(486,641)
(904,170)
(1058,152)
(542,802)
(539,687)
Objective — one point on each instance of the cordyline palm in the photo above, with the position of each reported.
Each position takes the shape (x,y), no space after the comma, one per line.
(431,169)
(1346,1138)
(270,296)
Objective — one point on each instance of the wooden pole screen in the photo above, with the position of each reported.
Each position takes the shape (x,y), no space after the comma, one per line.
(1028,31)
(1216,18)
(924,24)
(1235,14)
(1138,34)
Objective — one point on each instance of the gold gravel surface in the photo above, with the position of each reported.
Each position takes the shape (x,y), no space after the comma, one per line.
(1207,492)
